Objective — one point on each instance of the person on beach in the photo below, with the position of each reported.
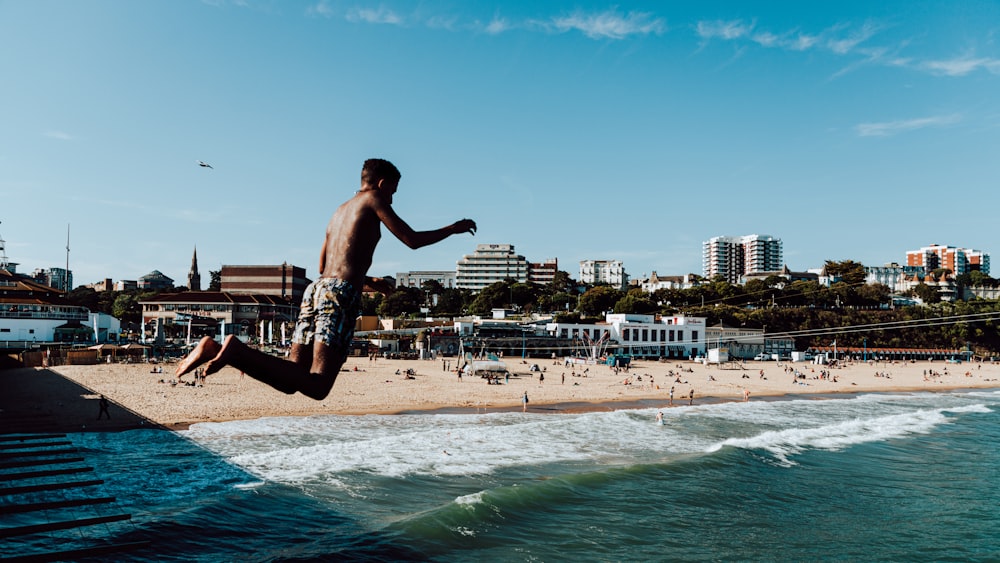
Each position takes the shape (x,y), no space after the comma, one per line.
(524,402)
(103,405)
(330,305)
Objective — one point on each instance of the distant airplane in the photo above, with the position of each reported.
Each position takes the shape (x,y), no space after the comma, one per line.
(205,165)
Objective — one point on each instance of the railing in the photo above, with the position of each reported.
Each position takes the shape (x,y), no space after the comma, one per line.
(9,346)
(43,315)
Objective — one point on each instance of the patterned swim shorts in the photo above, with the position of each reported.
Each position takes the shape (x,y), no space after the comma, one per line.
(328,314)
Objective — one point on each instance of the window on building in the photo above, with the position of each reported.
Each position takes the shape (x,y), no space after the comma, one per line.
(694,335)
(671,335)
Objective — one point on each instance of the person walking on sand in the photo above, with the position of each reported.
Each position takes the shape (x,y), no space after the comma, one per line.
(103,405)
(330,305)
(524,402)
(691,397)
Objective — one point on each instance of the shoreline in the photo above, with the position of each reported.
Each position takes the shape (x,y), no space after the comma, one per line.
(67,396)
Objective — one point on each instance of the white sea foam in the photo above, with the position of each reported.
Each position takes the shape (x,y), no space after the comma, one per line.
(474,498)
(329,449)
(788,442)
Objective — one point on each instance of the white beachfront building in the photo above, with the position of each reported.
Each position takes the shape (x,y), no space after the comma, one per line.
(32,313)
(645,336)
(611,272)
(447,278)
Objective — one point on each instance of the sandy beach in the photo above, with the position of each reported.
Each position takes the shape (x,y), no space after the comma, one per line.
(141,397)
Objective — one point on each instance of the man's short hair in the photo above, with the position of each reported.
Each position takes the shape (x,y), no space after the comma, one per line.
(376,169)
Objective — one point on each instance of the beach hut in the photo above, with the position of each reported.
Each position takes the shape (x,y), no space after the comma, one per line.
(109,351)
(136,349)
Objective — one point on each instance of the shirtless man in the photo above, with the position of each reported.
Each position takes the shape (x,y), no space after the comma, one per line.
(331,304)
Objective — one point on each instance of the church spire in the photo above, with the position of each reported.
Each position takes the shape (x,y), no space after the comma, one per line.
(194,278)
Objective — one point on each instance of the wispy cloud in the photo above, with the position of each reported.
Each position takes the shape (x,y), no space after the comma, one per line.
(854,38)
(727,30)
(889,128)
(497,26)
(376,16)
(961,66)
(843,40)
(610,24)
(60,135)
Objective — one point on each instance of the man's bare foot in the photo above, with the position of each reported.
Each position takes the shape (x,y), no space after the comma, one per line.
(223,355)
(206,349)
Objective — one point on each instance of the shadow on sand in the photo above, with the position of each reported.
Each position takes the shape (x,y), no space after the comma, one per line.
(38,400)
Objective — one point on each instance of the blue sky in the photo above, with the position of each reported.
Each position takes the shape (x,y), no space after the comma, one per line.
(585,130)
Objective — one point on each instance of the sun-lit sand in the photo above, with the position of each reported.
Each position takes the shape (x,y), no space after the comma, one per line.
(375,387)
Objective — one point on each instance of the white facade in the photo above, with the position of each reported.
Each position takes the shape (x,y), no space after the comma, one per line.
(611,272)
(640,335)
(106,328)
(447,278)
(734,257)
(738,342)
(489,264)
(656,282)
(33,323)
(893,276)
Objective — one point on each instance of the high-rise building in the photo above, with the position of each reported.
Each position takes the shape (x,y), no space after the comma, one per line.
(489,264)
(611,272)
(734,257)
(59,278)
(958,260)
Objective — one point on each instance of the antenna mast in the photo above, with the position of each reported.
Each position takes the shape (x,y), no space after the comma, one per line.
(66,278)
(3,256)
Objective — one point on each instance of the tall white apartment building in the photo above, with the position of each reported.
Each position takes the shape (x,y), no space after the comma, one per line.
(734,257)
(489,264)
(611,272)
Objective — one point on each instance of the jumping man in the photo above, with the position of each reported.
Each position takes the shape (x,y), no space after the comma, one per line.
(331,304)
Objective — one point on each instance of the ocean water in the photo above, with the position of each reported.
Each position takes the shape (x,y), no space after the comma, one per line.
(878,477)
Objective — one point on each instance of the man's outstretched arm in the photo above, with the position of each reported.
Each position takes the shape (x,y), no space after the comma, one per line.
(417,239)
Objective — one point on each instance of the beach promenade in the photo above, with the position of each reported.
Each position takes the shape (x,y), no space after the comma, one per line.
(66,398)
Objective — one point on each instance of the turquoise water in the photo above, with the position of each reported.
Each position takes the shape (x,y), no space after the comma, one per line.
(867,478)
